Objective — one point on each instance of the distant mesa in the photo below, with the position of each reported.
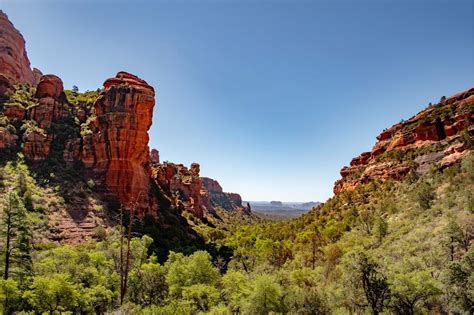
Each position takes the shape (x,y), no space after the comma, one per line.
(276,203)
(309,205)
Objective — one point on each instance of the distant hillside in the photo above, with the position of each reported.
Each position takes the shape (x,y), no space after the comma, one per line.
(282,209)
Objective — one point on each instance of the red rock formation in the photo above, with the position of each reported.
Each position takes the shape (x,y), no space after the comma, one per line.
(49,86)
(36,145)
(154,156)
(436,124)
(212,185)
(37,74)
(182,184)
(50,107)
(196,194)
(361,159)
(14,63)
(7,139)
(14,112)
(113,145)
(118,149)
(218,198)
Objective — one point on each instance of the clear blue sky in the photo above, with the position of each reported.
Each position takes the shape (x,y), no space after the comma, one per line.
(272,98)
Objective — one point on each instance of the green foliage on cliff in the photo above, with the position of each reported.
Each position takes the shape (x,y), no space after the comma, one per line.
(86,98)
(21,96)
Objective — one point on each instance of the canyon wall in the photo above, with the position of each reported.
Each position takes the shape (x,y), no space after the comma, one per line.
(439,135)
(14,62)
(107,132)
(198,195)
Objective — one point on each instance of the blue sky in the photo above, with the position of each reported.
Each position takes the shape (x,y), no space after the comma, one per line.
(272,98)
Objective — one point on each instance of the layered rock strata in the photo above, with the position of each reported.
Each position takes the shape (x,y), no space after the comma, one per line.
(440,135)
(14,62)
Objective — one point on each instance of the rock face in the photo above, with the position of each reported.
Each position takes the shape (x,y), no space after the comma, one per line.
(212,185)
(117,150)
(198,195)
(108,134)
(182,184)
(51,105)
(14,63)
(425,138)
(218,198)
(48,106)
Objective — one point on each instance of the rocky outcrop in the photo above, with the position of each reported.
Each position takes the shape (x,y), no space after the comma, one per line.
(182,184)
(218,198)
(198,195)
(423,138)
(7,138)
(14,63)
(212,185)
(50,104)
(108,134)
(36,145)
(154,156)
(49,86)
(117,149)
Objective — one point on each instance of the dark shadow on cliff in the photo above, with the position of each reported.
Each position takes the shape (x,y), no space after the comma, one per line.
(171,231)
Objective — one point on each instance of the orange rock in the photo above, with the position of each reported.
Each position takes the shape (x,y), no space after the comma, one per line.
(119,151)
(37,74)
(49,86)
(14,63)
(36,146)
(361,159)
(384,135)
(7,139)
(154,156)
(401,140)
(14,112)
(211,185)
(424,129)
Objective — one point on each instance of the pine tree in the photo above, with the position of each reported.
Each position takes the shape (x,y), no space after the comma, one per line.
(16,236)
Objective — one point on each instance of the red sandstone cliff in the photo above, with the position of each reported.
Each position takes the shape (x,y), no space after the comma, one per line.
(14,63)
(198,195)
(103,134)
(440,134)
(117,149)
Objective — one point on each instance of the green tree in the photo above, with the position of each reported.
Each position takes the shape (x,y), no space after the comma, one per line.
(201,296)
(424,195)
(52,293)
(16,234)
(303,294)
(460,281)
(235,290)
(148,284)
(411,290)
(266,296)
(185,271)
(374,283)
(9,296)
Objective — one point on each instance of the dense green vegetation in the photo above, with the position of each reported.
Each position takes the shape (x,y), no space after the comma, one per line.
(391,247)
(402,248)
